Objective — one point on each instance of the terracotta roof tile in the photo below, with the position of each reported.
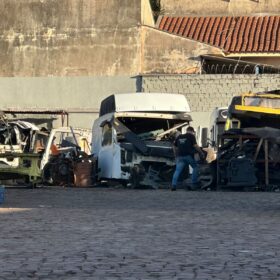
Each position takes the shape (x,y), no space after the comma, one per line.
(232,34)
(225,33)
(178,25)
(220,29)
(229,37)
(183,26)
(188,27)
(241,39)
(203,29)
(246,32)
(199,27)
(263,33)
(269,31)
(257,34)
(274,33)
(193,28)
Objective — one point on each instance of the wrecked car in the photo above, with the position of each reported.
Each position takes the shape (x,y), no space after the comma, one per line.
(17,137)
(26,152)
(133,137)
(72,150)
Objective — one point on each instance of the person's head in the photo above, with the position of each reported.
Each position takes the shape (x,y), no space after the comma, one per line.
(190,129)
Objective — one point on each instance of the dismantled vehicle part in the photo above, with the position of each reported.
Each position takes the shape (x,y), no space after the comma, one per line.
(133,137)
(66,140)
(15,137)
(29,150)
(218,120)
(67,148)
(27,167)
(249,156)
(70,169)
(71,149)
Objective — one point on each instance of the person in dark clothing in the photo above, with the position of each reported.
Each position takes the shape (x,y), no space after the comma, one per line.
(185,146)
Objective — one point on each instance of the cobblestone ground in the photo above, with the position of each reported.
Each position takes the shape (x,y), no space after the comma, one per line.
(59,233)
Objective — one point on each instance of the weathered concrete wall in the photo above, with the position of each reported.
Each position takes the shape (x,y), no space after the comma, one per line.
(147,14)
(165,53)
(81,96)
(69,37)
(69,54)
(205,92)
(220,7)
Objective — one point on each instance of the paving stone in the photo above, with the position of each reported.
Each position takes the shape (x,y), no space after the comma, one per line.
(138,234)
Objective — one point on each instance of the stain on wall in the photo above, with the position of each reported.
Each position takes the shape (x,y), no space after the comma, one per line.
(220,7)
(165,53)
(69,37)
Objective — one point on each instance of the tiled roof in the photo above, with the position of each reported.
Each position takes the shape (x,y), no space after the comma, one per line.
(232,34)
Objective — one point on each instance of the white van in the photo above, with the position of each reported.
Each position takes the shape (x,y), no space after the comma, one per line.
(132,138)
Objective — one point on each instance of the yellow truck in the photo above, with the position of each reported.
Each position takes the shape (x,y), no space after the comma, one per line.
(248,153)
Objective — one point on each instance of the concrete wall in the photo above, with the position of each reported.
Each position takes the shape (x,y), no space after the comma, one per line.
(69,37)
(205,92)
(146,13)
(79,95)
(220,7)
(69,54)
(165,53)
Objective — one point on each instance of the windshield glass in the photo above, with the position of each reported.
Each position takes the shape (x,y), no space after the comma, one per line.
(273,103)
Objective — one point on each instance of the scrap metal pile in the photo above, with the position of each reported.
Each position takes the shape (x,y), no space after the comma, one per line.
(250,156)
(70,166)
(248,160)
(17,136)
(26,154)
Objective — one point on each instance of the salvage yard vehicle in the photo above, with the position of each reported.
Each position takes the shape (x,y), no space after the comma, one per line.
(217,124)
(132,138)
(72,151)
(15,137)
(26,152)
(248,156)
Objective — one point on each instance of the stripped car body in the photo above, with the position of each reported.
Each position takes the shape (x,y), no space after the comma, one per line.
(15,137)
(73,148)
(132,138)
(25,150)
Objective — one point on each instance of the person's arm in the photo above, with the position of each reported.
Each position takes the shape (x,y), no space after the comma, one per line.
(198,149)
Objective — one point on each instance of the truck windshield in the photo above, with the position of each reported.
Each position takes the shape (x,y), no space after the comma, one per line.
(265,102)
